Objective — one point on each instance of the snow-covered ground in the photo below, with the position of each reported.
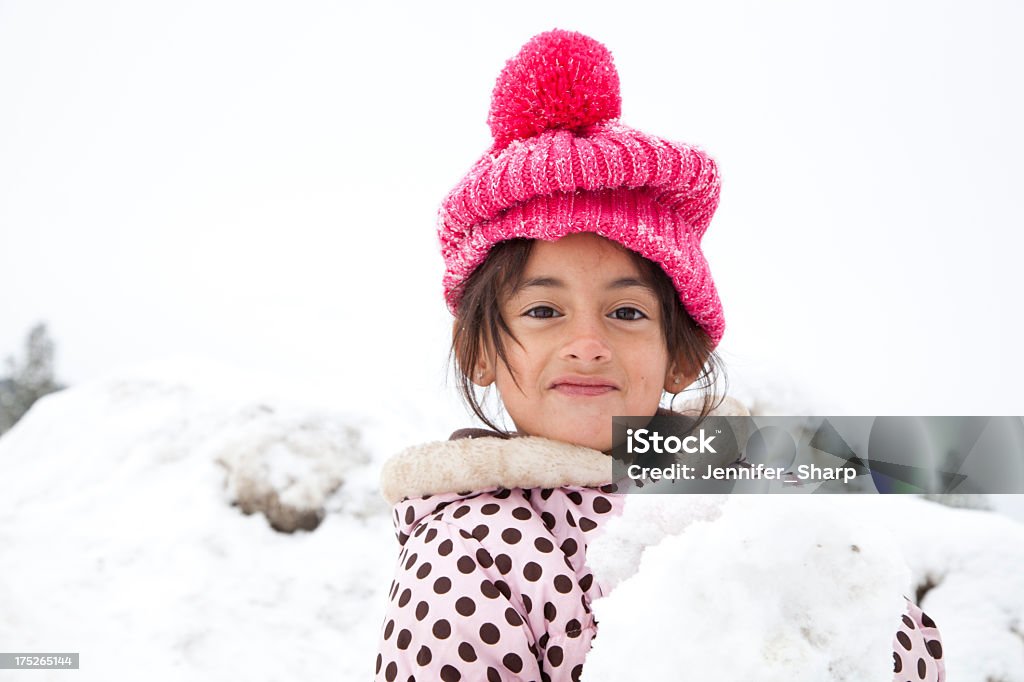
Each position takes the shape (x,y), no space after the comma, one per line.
(124,537)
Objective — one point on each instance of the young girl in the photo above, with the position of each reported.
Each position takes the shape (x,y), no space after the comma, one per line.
(579,289)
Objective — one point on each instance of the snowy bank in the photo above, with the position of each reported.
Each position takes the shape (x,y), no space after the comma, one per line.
(138,521)
(142,525)
(803,587)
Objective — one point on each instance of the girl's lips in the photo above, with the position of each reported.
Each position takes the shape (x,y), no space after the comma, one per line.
(582,387)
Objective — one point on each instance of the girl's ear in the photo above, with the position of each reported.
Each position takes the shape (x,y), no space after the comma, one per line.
(483,373)
(676,380)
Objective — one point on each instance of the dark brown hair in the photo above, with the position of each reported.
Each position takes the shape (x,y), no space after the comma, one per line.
(479,323)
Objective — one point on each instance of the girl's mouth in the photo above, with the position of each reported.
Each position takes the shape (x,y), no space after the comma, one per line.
(583,386)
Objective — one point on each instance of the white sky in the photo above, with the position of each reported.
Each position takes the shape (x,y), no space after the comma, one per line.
(256,182)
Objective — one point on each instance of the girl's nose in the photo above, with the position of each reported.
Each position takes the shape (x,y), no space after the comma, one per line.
(585,342)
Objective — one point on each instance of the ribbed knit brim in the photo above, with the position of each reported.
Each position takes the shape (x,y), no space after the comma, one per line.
(653,196)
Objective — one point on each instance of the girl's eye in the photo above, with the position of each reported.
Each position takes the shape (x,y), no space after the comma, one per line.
(627,313)
(542,312)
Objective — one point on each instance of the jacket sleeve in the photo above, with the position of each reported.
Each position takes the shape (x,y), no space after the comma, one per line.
(449,614)
(917,648)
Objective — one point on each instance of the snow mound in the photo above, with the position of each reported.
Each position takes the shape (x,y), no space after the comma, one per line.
(804,587)
(775,588)
(123,539)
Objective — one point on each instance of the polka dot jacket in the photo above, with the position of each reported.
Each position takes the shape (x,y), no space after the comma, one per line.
(491,581)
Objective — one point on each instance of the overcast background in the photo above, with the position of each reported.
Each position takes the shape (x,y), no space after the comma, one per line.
(251,187)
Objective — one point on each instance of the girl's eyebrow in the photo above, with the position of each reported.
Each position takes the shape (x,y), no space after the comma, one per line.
(621,283)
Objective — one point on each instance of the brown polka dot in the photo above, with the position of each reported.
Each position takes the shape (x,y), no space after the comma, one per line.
(461,511)
(431,534)
(466,565)
(442,629)
(423,656)
(543,640)
(575,497)
(610,488)
(586,581)
(543,545)
(489,633)
(380,661)
(465,606)
(422,609)
(908,622)
(419,530)
(389,628)
(934,647)
(897,662)
(573,628)
(490,509)
(465,534)
(922,668)
(601,505)
(493,675)
(532,571)
(442,585)
(481,531)
(569,547)
(445,548)
(587,525)
(488,589)
(424,570)
(521,513)
(402,538)
(450,673)
(503,494)
(406,596)
(548,519)
(527,603)
(555,656)
(926,621)
(467,652)
(904,640)
(577,671)
(550,611)
(526,494)
(410,515)
(504,563)
(511,536)
(512,617)
(403,639)
(545,493)
(513,662)
(569,519)
(503,588)
(563,584)
(483,557)
(391,672)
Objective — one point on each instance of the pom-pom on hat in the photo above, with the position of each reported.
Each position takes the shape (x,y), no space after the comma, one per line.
(562,163)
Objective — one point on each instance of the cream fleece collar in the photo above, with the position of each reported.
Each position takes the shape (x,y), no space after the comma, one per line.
(480,463)
(524,462)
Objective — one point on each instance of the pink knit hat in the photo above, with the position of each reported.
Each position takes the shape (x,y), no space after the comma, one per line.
(562,163)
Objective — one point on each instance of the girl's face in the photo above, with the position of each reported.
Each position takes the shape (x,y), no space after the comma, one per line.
(591,344)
